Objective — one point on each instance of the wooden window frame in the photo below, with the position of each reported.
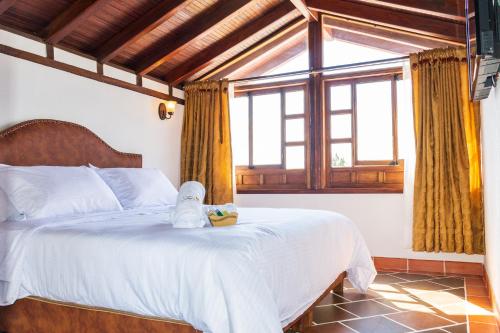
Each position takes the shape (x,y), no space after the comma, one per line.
(255,178)
(391,76)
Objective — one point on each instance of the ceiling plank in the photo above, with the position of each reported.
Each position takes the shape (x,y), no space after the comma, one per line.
(72,18)
(304,10)
(169,46)
(5,5)
(418,24)
(261,47)
(272,59)
(445,9)
(383,33)
(145,24)
(197,63)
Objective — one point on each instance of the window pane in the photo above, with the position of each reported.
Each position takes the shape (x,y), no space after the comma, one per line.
(295,157)
(294,130)
(239,130)
(267,129)
(340,97)
(294,102)
(374,121)
(341,155)
(340,126)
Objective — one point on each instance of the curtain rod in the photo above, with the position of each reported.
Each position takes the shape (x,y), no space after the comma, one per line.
(323,69)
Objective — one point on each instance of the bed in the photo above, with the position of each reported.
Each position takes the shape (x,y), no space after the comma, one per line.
(131,272)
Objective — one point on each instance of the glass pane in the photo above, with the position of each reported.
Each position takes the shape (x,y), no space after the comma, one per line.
(294,102)
(340,126)
(267,129)
(340,97)
(374,121)
(239,130)
(294,130)
(295,157)
(341,155)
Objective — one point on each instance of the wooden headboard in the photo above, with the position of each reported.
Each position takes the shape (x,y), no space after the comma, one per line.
(54,142)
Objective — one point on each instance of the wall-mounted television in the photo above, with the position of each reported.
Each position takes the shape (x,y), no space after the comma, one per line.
(483,45)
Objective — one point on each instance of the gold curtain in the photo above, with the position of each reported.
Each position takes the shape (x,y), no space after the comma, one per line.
(206,140)
(448,206)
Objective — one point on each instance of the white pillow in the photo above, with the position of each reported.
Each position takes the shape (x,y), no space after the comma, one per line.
(137,188)
(44,191)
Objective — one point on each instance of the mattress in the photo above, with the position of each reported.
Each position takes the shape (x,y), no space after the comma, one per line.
(256,276)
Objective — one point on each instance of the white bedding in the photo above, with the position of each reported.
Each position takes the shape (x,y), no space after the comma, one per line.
(257,276)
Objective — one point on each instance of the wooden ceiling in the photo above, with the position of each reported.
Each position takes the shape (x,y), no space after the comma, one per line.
(183,40)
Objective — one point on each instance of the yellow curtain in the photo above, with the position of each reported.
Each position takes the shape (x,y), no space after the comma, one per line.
(448,206)
(206,140)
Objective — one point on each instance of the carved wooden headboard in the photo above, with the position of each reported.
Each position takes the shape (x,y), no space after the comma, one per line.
(54,142)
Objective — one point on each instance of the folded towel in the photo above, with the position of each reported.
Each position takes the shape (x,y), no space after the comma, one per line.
(189,210)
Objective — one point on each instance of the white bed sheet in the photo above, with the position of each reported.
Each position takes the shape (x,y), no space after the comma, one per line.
(257,276)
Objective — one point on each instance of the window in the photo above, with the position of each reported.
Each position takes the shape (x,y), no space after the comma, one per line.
(270,136)
(362,121)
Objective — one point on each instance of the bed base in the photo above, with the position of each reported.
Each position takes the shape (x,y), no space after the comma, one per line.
(30,315)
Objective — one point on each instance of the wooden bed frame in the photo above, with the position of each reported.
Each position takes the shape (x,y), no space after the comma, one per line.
(53,142)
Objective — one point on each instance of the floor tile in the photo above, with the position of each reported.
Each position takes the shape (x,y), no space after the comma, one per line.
(329,328)
(417,265)
(437,330)
(387,279)
(366,308)
(474,281)
(412,276)
(417,286)
(354,295)
(440,298)
(332,299)
(482,328)
(465,268)
(454,312)
(419,320)
(328,314)
(452,282)
(377,324)
(477,291)
(482,302)
(462,328)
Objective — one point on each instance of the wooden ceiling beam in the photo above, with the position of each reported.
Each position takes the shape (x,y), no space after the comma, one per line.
(137,29)
(418,24)
(204,59)
(72,18)
(5,5)
(445,9)
(304,10)
(273,59)
(169,46)
(392,35)
(261,47)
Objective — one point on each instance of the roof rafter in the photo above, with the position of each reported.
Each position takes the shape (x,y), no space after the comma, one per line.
(169,46)
(280,55)
(339,25)
(5,5)
(445,9)
(264,45)
(71,19)
(195,64)
(304,10)
(418,24)
(146,23)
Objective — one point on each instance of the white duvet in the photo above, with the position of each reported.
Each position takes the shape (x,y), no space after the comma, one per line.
(257,276)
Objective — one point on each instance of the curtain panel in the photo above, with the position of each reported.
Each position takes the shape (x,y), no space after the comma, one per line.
(448,204)
(206,140)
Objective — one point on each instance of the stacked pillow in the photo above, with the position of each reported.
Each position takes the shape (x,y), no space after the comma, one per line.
(28,193)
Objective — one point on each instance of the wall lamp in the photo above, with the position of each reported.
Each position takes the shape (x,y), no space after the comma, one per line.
(166,110)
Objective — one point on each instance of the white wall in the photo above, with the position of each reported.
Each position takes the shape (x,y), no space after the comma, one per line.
(490,110)
(127,120)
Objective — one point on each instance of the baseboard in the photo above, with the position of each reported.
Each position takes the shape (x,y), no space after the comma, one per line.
(428,266)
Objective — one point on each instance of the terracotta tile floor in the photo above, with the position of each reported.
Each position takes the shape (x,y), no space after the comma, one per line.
(405,302)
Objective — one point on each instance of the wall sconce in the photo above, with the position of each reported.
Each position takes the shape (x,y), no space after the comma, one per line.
(166,111)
